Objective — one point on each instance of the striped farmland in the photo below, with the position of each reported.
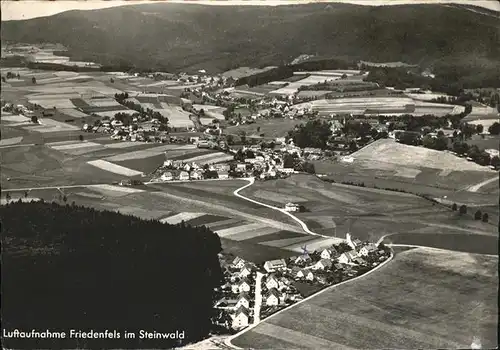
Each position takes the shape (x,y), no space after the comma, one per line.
(113,168)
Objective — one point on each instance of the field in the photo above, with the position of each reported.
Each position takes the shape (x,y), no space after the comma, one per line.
(488,142)
(388,153)
(379,106)
(447,302)
(242,72)
(77,95)
(271,128)
(367,213)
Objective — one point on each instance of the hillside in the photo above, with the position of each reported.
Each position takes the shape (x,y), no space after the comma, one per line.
(71,267)
(218,38)
(386,151)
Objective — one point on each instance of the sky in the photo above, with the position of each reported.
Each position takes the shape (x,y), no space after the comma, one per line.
(25,9)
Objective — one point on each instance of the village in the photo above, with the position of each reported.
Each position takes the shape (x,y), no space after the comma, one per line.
(252,292)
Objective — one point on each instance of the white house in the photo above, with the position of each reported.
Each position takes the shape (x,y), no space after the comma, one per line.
(367,249)
(245,271)
(329,253)
(323,264)
(287,170)
(291,207)
(183,176)
(241,318)
(348,257)
(243,300)
(238,262)
(272,297)
(273,265)
(244,285)
(167,176)
(272,282)
(307,274)
(196,175)
(223,175)
(241,167)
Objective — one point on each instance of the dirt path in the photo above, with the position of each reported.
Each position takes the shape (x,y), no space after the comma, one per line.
(306,229)
(476,187)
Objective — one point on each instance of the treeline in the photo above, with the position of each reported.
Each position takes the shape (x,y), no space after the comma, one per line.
(146,113)
(72,267)
(403,78)
(286,71)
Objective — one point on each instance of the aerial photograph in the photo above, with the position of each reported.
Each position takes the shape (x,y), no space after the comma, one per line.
(240,174)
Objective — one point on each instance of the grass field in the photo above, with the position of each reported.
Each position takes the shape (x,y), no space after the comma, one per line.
(271,128)
(379,105)
(424,298)
(367,213)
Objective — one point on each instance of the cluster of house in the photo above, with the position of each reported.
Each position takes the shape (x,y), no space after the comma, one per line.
(179,170)
(135,132)
(250,291)
(242,298)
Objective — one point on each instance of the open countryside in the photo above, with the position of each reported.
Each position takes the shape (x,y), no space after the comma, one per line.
(324,194)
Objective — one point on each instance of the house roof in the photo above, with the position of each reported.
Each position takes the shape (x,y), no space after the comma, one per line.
(272,291)
(325,262)
(244,295)
(237,260)
(303,257)
(242,310)
(244,280)
(351,254)
(271,276)
(278,262)
(370,247)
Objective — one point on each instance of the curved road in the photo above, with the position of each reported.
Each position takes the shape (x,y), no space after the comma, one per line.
(306,229)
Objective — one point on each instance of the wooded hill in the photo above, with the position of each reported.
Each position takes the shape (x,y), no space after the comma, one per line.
(71,267)
(217,38)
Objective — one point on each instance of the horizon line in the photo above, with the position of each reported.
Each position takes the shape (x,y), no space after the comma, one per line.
(28,9)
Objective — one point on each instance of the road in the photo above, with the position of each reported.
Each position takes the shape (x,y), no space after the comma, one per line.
(306,229)
(229,340)
(476,187)
(258,298)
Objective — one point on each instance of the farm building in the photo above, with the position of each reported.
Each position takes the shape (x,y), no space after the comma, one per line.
(273,265)
(183,176)
(167,176)
(241,318)
(272,297)
(196,175)
(292,207)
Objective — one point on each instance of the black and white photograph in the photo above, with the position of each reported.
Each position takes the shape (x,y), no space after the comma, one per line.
(240,174)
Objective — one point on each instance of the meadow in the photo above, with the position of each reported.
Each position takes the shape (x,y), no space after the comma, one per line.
(448,301)
(334,209)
